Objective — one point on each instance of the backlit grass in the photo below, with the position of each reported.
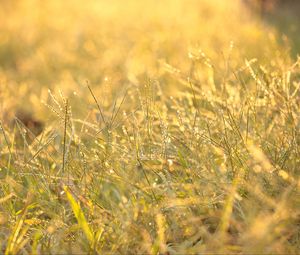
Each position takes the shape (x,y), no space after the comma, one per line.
(147,127)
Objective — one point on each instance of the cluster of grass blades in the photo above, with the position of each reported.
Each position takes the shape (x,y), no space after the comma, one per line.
(176,144)
(213,171)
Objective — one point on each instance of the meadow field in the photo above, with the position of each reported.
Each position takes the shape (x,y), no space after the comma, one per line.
(149,127)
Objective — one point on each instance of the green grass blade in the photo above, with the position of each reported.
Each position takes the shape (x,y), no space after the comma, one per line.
(80,216)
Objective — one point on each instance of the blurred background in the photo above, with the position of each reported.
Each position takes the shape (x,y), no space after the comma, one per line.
(115,44)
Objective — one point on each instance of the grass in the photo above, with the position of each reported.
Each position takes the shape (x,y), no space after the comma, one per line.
(168,128)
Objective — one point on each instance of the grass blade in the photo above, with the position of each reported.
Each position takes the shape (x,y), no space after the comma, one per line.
(80,216)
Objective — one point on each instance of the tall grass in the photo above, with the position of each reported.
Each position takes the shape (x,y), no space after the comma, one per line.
(184,140)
